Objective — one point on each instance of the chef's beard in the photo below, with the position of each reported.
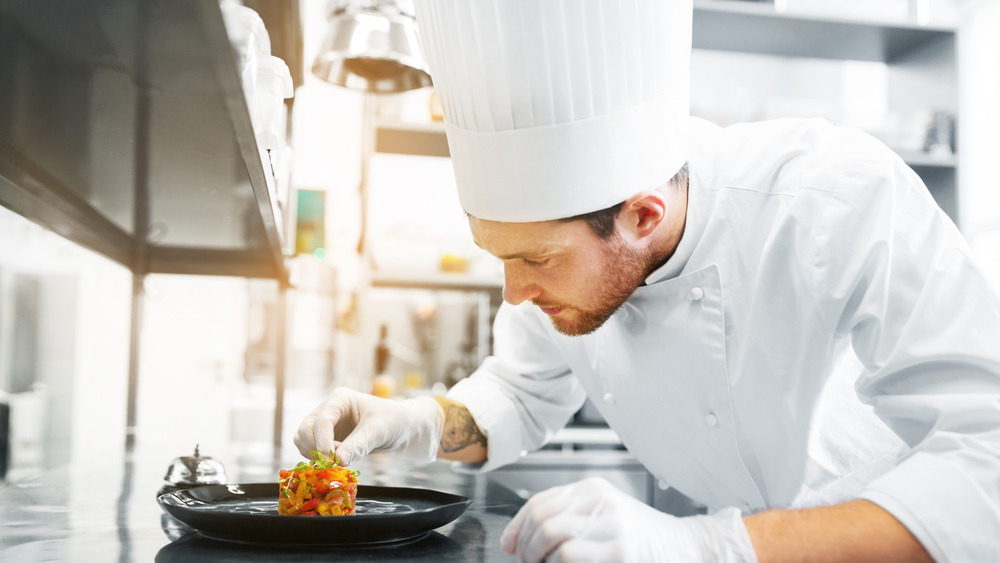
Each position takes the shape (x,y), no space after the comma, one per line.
(625,269)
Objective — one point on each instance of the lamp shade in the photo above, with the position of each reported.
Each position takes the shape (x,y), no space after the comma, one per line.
(372,45)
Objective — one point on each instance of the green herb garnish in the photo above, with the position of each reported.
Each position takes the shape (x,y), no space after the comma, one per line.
(321,460)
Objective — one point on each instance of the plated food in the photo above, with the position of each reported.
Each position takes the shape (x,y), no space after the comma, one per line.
(248,513)
(320,487)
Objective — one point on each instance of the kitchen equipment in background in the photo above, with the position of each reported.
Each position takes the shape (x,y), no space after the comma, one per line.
(588,415)
(435,106)
(266,81)
(310,223)
(246,31)
(387,383)
(183,473)
(29,422)
(272,86)
(940,139)
(4,438)
(543,469)
(372,45)
(192,471)
(383,384)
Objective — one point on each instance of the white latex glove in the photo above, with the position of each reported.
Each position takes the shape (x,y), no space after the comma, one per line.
(592,520)
(353,425)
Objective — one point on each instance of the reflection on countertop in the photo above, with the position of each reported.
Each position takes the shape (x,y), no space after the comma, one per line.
(64,515)
(193,547)
(110,513)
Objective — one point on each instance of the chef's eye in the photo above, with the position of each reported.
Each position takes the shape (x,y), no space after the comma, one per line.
(531,262)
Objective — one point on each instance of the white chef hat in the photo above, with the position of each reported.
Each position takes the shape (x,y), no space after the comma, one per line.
(554,108)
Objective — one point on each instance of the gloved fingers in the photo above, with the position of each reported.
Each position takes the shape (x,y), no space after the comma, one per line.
(551,504)
(538,541)
(351,449)
(315,433)
(378,432)
(318,429)
(355,424)
(326,424)
(304,438)
(539,508)
(580,549)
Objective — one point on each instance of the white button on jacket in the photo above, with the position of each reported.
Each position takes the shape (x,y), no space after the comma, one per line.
(843,339)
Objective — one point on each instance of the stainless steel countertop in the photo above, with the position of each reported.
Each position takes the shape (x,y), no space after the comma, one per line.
(110,513)
(113,516)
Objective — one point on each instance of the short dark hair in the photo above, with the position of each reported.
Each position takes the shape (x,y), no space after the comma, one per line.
(602,221)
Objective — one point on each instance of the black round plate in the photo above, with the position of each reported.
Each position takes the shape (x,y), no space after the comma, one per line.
(248,513)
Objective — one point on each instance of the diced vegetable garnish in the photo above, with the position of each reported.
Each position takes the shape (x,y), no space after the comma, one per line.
(320,487)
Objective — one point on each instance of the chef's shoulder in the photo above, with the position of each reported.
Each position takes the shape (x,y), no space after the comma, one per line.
(785,156)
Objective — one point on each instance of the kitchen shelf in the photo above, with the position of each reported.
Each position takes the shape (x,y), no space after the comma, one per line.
(429,140)
(585,436)
(927,160)
(438,281)
(920,60)
(420,139)
(124,128)
(756,27)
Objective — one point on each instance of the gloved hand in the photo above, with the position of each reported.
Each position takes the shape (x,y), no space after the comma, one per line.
(353,425)
(592,520)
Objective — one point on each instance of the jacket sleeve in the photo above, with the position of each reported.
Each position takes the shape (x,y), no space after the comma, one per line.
(925,322)
(522,394)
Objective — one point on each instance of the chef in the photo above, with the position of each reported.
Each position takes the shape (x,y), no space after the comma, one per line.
(776,318)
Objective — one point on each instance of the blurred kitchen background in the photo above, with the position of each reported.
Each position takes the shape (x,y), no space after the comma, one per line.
(200,236)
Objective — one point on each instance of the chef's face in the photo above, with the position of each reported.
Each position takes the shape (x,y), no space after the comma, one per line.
(575,277)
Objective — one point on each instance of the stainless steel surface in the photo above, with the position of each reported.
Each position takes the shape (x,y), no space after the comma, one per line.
(66,516)
(112,514)
(543,469)
(372,45)
(762,29)
(592,453)
(124,128)
(119,113)
(588,414)
(195,469)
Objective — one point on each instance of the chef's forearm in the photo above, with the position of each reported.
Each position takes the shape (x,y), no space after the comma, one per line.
(855,531)
(461,438)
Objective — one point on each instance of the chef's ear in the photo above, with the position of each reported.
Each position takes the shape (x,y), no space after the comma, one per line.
(642,214)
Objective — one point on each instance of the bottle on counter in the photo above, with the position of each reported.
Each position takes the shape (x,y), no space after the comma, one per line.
(383,384)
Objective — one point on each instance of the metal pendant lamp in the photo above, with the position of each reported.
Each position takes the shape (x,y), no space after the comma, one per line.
(372,45)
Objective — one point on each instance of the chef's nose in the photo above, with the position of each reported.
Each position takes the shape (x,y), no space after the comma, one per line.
(517,286)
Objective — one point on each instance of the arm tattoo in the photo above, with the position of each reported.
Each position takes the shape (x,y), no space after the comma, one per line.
(460,430)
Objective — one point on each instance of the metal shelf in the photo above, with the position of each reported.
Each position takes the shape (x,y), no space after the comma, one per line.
(124,128)
(440,281)
(258,164)
(927,160)
(429,140)
(756,27)
(420,139)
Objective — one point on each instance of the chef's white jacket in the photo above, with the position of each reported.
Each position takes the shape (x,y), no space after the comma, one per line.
(821,333)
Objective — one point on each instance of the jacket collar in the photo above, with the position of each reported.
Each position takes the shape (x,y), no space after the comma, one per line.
(699,201)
